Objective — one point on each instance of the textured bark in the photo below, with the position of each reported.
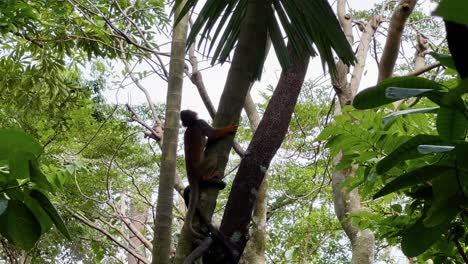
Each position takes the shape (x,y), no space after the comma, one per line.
(347,202)
(265,142)
(163,228)
(392,44)
(255,249)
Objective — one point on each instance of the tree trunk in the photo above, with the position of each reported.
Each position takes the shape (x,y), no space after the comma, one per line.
(255,248)
(163,232)
(348,202)
(265,142)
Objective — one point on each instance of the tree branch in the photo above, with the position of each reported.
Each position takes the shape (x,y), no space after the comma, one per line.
(392,44)
(91,224)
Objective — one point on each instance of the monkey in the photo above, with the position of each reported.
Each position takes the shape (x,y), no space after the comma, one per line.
(197,135)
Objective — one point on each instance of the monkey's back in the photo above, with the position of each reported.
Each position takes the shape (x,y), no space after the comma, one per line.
(194,144)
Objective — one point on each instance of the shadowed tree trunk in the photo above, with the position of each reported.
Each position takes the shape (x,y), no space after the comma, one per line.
(265,142)
(255,249)
(163,228)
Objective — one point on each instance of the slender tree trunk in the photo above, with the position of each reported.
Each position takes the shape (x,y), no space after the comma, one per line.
(265,142)
(255,248)
(163,230)
(347,202)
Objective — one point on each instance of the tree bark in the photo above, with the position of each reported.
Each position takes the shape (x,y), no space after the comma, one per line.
(347,202)
(392,44)
(255,249)
(163,228)
(265,142)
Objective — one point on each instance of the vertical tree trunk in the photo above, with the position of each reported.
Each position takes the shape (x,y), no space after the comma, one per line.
(163,232)
(255,248)
(347,202)
(265,142)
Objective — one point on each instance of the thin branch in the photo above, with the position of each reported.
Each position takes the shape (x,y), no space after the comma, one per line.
(93,225)
(424,69)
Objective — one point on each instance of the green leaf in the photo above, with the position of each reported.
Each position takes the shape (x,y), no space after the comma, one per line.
(416,176)
(375,96)
(11,139)
(38,177)
(453,10)
(19,225)
(418,238)
(451,124)
(444,59)
(51,211)
(406,151)
(19,164)
(441,212)
(41,216)
(389,117)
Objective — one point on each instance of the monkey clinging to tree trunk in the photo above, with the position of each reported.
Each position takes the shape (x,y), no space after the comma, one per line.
(198,167)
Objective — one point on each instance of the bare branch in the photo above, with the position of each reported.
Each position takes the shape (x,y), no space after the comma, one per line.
(392,44)
(93,225)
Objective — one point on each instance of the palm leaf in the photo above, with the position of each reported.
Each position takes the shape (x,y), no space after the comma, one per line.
(306,24)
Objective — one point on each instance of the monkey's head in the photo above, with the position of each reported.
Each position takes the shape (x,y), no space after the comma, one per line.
(188,117)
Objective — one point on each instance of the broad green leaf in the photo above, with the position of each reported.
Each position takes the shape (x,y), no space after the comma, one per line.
(444,59)
(418,238)
(38,177)
(375,96)
(453,10)
(11,139)
(19,225)
(441,212)
(451,124)
(51,211)
(416,176)
(19,164)
(406,151)
(428,149)
(41,216)
(389,117)
(447,194)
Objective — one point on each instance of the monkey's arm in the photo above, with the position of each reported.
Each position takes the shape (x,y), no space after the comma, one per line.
(215,134)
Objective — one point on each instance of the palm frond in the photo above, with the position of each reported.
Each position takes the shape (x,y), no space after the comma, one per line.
(310,26)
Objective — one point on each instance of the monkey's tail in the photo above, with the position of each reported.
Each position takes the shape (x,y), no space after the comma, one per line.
(192,209)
